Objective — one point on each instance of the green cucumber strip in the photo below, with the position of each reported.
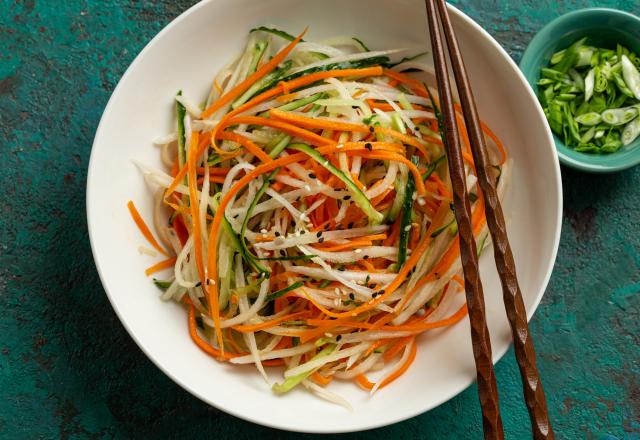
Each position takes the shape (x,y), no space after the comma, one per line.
(182,151)
(405,221)
(359,197)
(161,284)
(292,382)
(281,292)
(282,34)
(258,52)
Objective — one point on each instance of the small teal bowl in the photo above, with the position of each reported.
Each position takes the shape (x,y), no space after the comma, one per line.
(605,28)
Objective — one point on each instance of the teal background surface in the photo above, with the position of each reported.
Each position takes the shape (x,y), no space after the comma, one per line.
(67,367)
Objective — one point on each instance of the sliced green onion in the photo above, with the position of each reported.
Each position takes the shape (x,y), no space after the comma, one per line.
(619,116)
(293,381)
(631,76)
(589,119)
(281,292)
(631,132)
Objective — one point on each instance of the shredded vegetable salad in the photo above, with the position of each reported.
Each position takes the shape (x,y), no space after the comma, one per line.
(305,213)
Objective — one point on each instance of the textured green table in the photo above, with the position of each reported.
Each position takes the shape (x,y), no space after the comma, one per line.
(69,370)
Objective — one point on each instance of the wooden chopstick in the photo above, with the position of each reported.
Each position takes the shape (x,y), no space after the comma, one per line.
(481,342)
(512,295)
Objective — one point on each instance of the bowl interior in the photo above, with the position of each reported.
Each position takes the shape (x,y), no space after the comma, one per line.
(185,56)
(605,28)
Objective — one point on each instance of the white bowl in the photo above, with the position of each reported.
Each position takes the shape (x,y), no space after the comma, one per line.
(184,56)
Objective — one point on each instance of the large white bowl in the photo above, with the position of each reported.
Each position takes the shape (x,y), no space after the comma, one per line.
(184,56)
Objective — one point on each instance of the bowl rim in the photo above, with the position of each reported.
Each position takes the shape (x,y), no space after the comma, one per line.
(575,160)
(497,354)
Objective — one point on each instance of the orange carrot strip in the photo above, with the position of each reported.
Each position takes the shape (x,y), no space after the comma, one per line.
(164,264)
(200,342)
(271,323)
(320,379)
(306,122)
(251,79)
(248,144)
(137,218)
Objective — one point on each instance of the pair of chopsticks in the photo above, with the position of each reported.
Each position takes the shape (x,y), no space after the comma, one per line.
(512,296)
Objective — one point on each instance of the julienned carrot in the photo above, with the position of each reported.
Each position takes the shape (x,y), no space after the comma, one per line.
(137,218)
(251,79)
(164,264)
(271,323)
(280,125)
(320,379)
(303,121)
(248,144)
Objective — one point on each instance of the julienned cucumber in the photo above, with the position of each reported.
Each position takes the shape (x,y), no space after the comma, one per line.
(359,197)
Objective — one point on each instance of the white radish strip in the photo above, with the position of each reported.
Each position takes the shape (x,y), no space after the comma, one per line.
(426,292)
(373,335)
(387,252)
(342,211)
(386,182)
(299,95)
(284,202)
(171,291)
(253,310)
(166,139)
(257,137)
(159,178)
(345,58)
(307,46)
(326,395)
(405,356)
(178,268)
(329,273)
(385,117)
(275,354)
(202,208)
(233,172)
(413,64)
(271,345)
(204,125)
(316,272)
(328,236)
(189,106)
(160,218)
(361,368)
(317,363)
(356,164)
(413,114)
(243,303)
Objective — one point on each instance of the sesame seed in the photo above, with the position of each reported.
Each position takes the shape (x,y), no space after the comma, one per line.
(372,285)
(321,240)
(312,176)
(319,234)
(277,234)
(307,187)
(365,257)
(360,282)
(329,335)
(264,235)
(302,216)
(352,296)
(264,231)
(414,196)
(370,301)
(350,225)
(338,337)
(236,216)
(347,197)
(302,232)
(420,312)
(371,130)
(283,253)
(327,226)
(421,201)
(407,228)
(374,294)
(337,291)
(368,146)
(357,251)
(339,146)
(297,234)
(341,269)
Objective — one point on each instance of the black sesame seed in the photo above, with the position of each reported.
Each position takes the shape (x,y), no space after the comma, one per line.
(327,226)
(302,231)
(277,234)
(352,296)
(381,292)
(366,257)
(321,240)
(368,146)
(338,337)
(319,234)
(283,253)
(372,285)
(347,197)
(312,176)
(350,225)
(341,269)
(371,130)
(236,216)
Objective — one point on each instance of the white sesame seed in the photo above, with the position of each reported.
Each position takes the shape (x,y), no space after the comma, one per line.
(390,187)
(307,187)
(337,291)
(339,146)
(264,231)
(414,196)
(329,335)
(297,234)
(357,251)
(420,312)
(421,201)
(360,282)
(407,228)
(302,216)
